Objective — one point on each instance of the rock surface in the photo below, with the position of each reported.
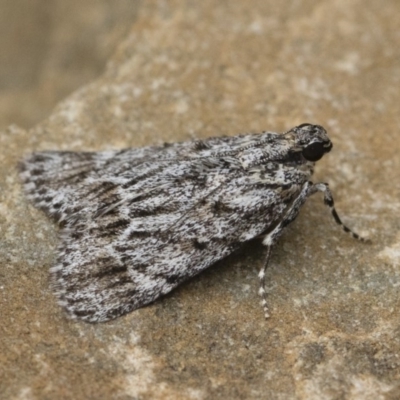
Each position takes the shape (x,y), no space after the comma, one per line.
(210,68)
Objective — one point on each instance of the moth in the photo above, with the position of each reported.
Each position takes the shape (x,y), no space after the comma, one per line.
(136,223)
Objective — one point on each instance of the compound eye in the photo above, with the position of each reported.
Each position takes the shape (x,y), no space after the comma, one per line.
(314,151)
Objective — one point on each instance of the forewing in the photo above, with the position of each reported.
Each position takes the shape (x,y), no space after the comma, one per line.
(58,182)
(63,183)
(138,222)
(139,250)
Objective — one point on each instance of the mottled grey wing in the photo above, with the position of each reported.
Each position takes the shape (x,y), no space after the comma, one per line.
(133,231)
(54,181)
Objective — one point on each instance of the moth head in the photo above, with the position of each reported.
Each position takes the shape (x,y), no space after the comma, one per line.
(312,141)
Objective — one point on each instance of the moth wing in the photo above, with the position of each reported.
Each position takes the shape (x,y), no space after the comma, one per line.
(55,180)
(124,259)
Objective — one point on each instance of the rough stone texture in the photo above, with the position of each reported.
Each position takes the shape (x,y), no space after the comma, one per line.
(209,68)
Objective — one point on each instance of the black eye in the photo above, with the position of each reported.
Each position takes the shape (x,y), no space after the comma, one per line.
(314,151)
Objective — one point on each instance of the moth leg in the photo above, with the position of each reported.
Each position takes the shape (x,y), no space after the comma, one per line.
(271,238)
(328,201)
(261,275)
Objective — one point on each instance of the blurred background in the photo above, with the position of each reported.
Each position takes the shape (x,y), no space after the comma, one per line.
(48,49)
